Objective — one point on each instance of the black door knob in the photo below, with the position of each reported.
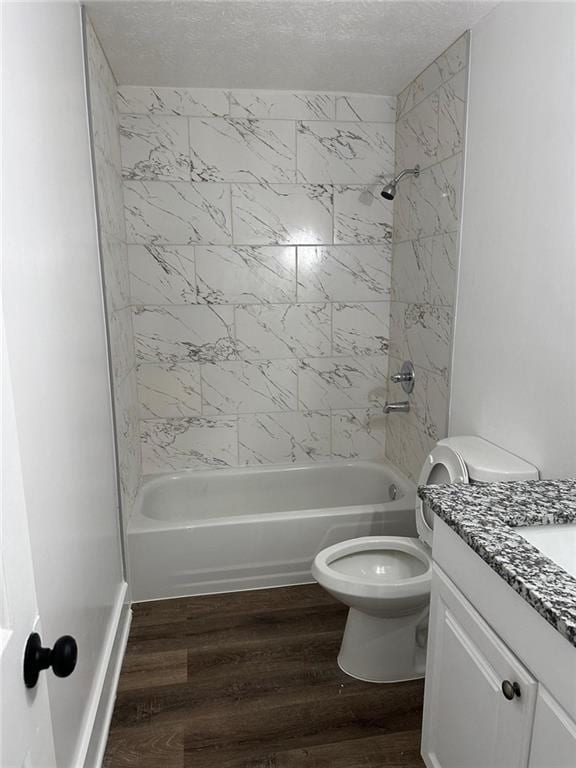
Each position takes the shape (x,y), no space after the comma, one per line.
(62,658)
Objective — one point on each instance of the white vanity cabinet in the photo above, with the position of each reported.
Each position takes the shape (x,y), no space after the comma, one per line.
(500,681)
(469,721)
(553,735)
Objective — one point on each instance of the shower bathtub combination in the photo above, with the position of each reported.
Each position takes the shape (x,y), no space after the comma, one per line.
(223,530)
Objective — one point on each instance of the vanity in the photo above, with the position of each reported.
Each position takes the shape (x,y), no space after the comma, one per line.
(501,671)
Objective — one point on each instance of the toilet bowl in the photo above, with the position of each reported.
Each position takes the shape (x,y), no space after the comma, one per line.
(385,580)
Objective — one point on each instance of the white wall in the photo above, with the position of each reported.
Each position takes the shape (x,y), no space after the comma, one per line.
(58,357)
(514,360)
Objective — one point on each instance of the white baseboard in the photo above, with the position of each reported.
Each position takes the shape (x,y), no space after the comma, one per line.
(91,748)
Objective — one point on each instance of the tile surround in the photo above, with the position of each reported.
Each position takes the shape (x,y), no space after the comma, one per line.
(429,131)
(104,123)
(177,212)
(269,280)
(260,267)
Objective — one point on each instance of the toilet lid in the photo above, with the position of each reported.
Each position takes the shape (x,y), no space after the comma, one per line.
(442,465)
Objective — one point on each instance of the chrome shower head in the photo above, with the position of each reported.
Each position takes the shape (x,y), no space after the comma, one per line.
(389,191)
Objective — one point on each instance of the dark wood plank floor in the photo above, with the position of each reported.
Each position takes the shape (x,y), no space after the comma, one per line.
(250,680)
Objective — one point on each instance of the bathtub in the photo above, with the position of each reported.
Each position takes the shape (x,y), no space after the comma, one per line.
(224,530)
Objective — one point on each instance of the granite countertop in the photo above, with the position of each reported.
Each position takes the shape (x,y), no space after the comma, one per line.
(485,515)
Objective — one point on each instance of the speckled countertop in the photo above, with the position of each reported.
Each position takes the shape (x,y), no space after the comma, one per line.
(485,515)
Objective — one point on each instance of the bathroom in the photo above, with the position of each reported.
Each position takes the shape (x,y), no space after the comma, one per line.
(289,376)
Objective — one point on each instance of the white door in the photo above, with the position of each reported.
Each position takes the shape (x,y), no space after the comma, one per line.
(468,719)
(56,340)
(25,726)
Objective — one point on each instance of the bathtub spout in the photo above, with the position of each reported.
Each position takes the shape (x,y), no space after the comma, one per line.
(402,407)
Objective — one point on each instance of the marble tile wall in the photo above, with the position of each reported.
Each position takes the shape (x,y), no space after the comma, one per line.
(260,253)
(112,234)
(430,129)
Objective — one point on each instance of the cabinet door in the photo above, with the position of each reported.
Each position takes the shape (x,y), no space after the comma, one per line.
(553,735)
(468,721)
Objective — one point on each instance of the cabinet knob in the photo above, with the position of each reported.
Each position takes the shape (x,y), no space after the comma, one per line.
(510,690)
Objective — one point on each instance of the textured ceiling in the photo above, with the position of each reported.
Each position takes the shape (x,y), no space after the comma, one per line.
(370,46)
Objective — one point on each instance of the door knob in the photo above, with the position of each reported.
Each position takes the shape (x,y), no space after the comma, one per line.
(62,658)
(510,690)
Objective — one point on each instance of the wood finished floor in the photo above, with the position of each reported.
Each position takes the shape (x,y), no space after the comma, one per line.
(250,680)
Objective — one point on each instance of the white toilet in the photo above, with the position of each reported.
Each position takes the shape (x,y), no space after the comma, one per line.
(385,580)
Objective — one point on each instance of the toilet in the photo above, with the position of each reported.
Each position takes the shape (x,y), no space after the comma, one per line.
(385,580)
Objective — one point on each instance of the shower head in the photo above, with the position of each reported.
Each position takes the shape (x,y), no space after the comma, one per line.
(389,191)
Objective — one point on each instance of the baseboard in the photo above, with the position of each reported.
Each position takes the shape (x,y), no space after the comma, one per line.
(97,722)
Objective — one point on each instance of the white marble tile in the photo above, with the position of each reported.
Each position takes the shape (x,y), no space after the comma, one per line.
(403,213)
(430,204)
(436,198)
(452,116)
(198,333)
(162,274)
(429,404)
(154,147)
(103,108)
(406,446)
(177,213)
(344,152)
(405,100)
(366,107)
(361,329)
(344,272)
(343,382)
(454,58)
(128,441)
(243,150)
(174,444)
(284,438)
(249,387)
(121,342)
(411,271)
(283,330)
(361,215)
(417,136)
(421,333)
(421,87)
(283,105)
(115,268)
(358,434)
(246,274)
(289,214)
(195,102)
(169,390)
(443,267)
(109,197)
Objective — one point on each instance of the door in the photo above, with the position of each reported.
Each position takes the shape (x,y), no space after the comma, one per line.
(25,726)
(56,340)
(479,700)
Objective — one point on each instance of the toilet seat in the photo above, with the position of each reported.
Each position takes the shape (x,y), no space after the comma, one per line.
(442,465)
(353,580)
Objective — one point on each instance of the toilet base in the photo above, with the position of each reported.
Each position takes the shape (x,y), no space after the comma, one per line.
(384,650)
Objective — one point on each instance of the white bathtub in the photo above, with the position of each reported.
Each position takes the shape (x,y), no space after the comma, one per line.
(202,532)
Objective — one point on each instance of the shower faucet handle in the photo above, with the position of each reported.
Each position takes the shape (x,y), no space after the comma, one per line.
(398,378)
(406,377)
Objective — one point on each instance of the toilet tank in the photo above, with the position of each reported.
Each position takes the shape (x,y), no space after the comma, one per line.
(488,463)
